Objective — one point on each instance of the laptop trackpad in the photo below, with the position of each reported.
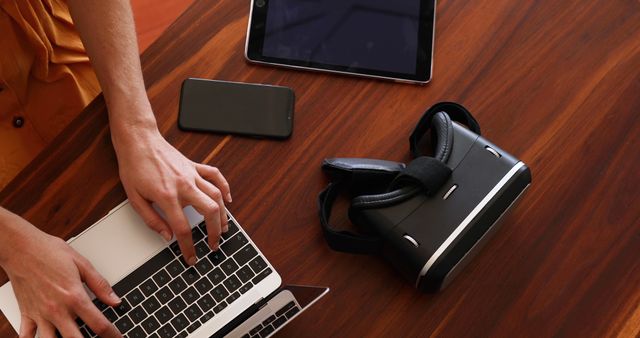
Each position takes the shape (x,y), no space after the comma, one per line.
(122,237)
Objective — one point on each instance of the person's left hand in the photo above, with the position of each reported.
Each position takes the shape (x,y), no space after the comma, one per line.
(153,171)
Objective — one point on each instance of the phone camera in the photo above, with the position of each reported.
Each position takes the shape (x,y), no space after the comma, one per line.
(260,3)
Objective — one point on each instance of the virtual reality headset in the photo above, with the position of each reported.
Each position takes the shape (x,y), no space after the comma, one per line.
(429,217)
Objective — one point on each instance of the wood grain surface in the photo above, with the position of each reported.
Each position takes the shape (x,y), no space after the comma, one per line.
(555,83)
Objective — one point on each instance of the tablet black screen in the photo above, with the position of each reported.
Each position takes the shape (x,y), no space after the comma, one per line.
(370,37)
(375,34)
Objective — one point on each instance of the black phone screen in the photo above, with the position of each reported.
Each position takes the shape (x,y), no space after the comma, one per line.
(236,108)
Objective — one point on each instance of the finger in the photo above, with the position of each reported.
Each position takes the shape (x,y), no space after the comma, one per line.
(46,329)
(150,216)
(96,283)
(68,327)
(27,327)
(95,320)
(213,175)
(180,226)
(215,194)
(211,212)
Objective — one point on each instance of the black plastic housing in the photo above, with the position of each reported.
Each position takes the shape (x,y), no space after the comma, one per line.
(449,231)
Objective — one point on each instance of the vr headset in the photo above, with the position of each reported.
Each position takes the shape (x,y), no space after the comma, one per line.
(430,216)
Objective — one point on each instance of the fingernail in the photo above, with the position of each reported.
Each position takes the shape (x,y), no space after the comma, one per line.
(115,297)
(192,260)
(166,236)
(229,198)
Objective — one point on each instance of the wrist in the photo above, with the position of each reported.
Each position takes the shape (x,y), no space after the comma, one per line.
(131,123)
(14,236)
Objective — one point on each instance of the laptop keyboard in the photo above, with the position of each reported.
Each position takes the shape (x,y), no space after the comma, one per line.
(166,298)
(274,321)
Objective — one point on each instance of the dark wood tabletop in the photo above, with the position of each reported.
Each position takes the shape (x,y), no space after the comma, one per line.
(555,83)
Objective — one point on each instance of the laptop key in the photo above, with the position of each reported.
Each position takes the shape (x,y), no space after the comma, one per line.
(232,297)
(285,308)
(151,304)
(206,317)
(267,330)
(203,285)
(177,285)
(243,289)
(219,293)
(216,276)
(234,244)
(150,324)
(190,295)
(232,283)
(193,312)
(229,266)
(261,276)
(204,265)
(193,326)
(175,248)
(177,305)
(221,306)
(245,254)
(164,295)
(180,322)
(292,312)
(196,234)
(140,274)
(190,275)
(137,332)
(123,308)
(233,228)
(85,333)
(203,227)
(124,324)
(167,331)
(202,249)
(99,304)
(110,314)
(217,257)
(206,302)
(258,264)
(278,322)
(245,274)
(175,268)
(269,320)
(148,287)
(255,330)
(161,278)
(164,315)
(137,315)
(134,297)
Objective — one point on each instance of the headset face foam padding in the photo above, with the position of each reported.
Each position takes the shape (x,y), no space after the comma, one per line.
(442,134)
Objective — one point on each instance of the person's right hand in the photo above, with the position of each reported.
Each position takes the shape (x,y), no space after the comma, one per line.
(47,275)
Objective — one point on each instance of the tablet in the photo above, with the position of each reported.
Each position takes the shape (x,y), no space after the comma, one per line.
(375,38)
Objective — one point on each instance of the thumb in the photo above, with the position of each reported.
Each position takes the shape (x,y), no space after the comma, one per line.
(96,283)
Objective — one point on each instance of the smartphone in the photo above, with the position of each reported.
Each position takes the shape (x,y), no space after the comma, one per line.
(236,108)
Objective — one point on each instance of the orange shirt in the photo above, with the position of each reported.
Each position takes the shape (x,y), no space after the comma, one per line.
(45,76)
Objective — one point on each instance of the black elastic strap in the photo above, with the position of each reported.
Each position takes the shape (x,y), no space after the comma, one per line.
(344,241)
(427,172)
(455,111)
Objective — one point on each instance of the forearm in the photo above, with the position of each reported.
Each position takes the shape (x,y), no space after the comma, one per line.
(108,34)
(12,228)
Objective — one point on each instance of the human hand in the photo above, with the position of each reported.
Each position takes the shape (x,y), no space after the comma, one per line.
(153,171)
(46,276)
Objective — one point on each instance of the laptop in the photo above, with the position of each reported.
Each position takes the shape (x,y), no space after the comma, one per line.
(232,292)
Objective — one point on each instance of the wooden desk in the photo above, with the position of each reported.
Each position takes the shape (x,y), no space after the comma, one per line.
(555,83)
